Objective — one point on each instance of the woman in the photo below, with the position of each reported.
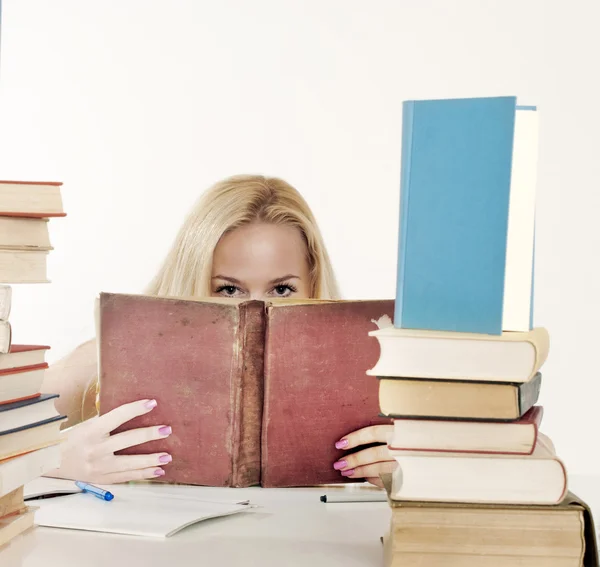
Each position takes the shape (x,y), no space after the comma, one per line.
(247,237)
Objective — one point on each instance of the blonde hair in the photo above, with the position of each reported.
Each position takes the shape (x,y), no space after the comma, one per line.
(227,205)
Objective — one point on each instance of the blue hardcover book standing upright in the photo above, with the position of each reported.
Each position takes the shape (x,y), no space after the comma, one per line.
(465,255)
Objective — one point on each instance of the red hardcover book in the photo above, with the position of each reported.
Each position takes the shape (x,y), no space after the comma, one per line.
(203,361)
(316,387)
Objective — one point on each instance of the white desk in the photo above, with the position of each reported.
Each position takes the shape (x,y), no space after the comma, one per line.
(291,528)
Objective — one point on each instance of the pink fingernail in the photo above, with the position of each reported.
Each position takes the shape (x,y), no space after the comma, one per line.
(348,472)
(164,459)
(159,472)
(340,465)
(150,404)
(342,444)
(165,430)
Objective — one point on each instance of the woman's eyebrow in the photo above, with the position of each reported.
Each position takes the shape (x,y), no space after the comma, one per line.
(272,282)
(283,279)
(232,280)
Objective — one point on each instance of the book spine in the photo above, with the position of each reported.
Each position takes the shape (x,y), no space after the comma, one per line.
(5,337)
(407,126)
(529,393)
(12,503)
(5,301)
(249,396)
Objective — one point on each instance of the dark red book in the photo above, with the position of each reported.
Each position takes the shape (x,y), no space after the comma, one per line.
(237,419)
(316,387)
(202,362)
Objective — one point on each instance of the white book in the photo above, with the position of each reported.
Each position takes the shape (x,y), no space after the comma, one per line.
(448,355)
(539,478)
(25,468)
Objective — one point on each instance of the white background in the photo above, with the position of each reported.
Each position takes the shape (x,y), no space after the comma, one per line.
(139,105)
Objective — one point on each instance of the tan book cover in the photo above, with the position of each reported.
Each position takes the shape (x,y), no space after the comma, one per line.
(571,501)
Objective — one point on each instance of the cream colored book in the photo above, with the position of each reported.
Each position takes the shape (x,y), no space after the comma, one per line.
(12,526)
(31,199)
(539,478)
(23,266)
(464,534)
(446,355)
(23,233)
(23,469)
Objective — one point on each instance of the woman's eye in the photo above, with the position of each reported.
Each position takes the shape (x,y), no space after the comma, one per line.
(284,290)
(229,290)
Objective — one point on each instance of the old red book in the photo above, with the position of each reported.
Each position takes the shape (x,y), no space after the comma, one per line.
(316,387)
(256,393)
(202,362)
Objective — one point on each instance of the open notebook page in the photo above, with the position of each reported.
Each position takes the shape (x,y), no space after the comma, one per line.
(131,513)
(43,486)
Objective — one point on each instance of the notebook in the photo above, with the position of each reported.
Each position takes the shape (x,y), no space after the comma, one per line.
(131,512)
(44,487)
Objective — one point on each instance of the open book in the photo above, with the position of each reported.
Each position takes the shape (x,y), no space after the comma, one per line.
(255,392)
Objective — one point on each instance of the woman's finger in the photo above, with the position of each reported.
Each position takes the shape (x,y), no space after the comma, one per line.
(371,434)
(127,476)
(364,457)
(122,414)
(122,463)
(133,437)
(370,471)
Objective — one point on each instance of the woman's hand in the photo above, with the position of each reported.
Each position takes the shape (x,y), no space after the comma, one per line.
(367,463)
(88,451)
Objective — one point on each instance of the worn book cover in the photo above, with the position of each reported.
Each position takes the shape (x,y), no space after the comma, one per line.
(418,398)
(587,554)
(237,418)
(202,362)
(316,387)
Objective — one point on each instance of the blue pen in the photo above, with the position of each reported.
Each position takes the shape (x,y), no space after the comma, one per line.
(98,492)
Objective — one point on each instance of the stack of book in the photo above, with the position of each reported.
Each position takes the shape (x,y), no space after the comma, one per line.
(29,422)
(476,482)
